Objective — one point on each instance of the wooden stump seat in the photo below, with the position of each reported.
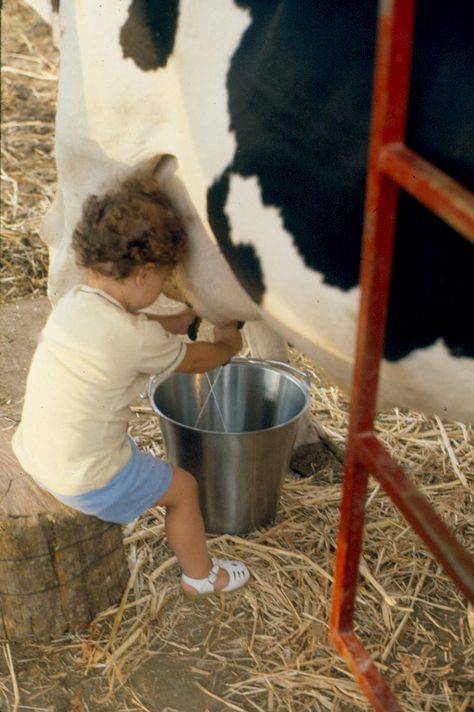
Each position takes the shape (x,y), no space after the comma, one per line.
(58,567)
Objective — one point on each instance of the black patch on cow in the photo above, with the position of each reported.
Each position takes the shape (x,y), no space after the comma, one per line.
(432,294)
(299,97)
(432,285)
(148,35)
(55,5)
(291,132)
(242,258)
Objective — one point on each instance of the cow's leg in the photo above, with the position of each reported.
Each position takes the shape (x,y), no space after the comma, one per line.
(312,450)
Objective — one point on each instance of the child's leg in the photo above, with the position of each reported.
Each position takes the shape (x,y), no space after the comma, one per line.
(185,528)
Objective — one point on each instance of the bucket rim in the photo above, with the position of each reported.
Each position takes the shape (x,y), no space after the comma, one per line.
(155,383)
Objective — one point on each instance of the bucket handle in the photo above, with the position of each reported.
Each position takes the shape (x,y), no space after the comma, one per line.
(305,376)
(151,385)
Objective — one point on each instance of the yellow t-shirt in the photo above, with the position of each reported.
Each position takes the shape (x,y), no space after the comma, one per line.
(91,362)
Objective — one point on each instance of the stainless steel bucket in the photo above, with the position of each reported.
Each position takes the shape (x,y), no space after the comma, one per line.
(234,429)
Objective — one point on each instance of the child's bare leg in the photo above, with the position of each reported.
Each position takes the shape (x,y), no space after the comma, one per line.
(185,528)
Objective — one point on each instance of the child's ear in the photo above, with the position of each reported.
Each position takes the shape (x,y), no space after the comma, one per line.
(142,272)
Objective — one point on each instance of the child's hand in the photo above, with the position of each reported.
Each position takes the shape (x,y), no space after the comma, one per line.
(202,356)
(230,335)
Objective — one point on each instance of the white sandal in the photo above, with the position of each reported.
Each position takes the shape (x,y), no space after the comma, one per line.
(238,577)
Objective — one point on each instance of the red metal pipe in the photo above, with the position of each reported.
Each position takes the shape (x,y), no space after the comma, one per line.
(393,58)
(419,513)
(390,166)
(368,677)
(430,186)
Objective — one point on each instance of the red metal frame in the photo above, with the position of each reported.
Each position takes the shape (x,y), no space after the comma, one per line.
(391,165)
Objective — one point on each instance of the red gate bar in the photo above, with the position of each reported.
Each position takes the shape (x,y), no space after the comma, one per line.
(418,512)
(390,165)
(430,186)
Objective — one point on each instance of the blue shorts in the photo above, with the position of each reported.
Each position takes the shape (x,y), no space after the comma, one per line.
(132,491)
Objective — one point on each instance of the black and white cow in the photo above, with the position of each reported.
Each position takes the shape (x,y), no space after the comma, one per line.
(255,116)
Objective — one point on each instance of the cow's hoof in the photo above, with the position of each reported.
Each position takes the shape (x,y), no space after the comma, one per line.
(318,459)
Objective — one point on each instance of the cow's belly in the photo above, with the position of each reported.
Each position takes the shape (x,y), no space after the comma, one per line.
(320,319)
(428,380)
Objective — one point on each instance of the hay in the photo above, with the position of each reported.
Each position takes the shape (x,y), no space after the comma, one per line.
(265,648)
(11,670)
(29,82)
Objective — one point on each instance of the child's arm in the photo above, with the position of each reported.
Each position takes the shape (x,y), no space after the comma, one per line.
(205,355)
(178,323)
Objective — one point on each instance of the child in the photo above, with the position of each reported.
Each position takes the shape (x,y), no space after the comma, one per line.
(93,358)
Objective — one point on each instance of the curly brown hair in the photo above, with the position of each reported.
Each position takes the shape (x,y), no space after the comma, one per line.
(128,227)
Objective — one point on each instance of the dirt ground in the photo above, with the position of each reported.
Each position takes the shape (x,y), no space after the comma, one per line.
(265,649)
(20,325)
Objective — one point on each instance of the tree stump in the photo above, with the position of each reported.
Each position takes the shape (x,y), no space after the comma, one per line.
(58,567)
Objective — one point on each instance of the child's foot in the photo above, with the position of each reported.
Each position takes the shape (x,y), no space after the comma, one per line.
(224,576)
